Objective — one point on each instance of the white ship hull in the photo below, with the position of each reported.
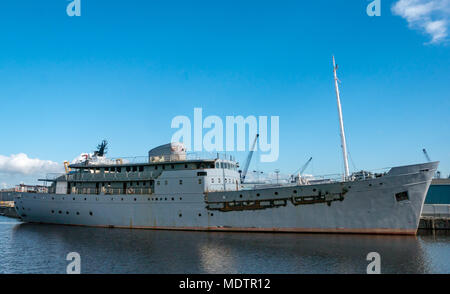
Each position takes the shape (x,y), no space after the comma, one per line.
(368,206)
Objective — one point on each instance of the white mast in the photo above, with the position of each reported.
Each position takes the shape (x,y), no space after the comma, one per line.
(341,121)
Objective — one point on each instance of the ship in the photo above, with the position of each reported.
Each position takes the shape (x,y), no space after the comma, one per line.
(173,189)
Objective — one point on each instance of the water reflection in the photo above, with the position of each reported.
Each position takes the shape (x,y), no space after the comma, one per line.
(34,248)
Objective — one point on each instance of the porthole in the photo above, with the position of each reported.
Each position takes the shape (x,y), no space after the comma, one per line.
(60,212)
(90,212)
(370,185)
(199,214)
(121,199)
(165,198)
(240,196)
(212,214)
(112,198)
(85,199)
(173,199)
(181,198)
(295,191)
(148,199)
(381,184)
(257,195)
(78,213)
(53,211)
(180,215)
(67,212)
(73,198)
(276,193)
(134,199)
(314,190)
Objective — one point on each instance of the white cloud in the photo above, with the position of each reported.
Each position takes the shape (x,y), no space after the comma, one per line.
(22,164)
(429,16)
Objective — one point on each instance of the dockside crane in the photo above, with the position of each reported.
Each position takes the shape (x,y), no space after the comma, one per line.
(249,159)
(426,155)
(302,169)
(437,175)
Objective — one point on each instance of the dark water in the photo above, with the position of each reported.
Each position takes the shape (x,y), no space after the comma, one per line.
(33,248)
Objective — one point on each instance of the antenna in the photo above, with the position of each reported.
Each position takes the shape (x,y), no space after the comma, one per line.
(341,121)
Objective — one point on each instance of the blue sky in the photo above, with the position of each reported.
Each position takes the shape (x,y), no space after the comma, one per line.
(124,69)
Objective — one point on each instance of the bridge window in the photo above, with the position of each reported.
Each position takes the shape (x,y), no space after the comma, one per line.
(217,165)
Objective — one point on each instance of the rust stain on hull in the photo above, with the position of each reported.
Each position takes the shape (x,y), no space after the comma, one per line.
(374,231)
